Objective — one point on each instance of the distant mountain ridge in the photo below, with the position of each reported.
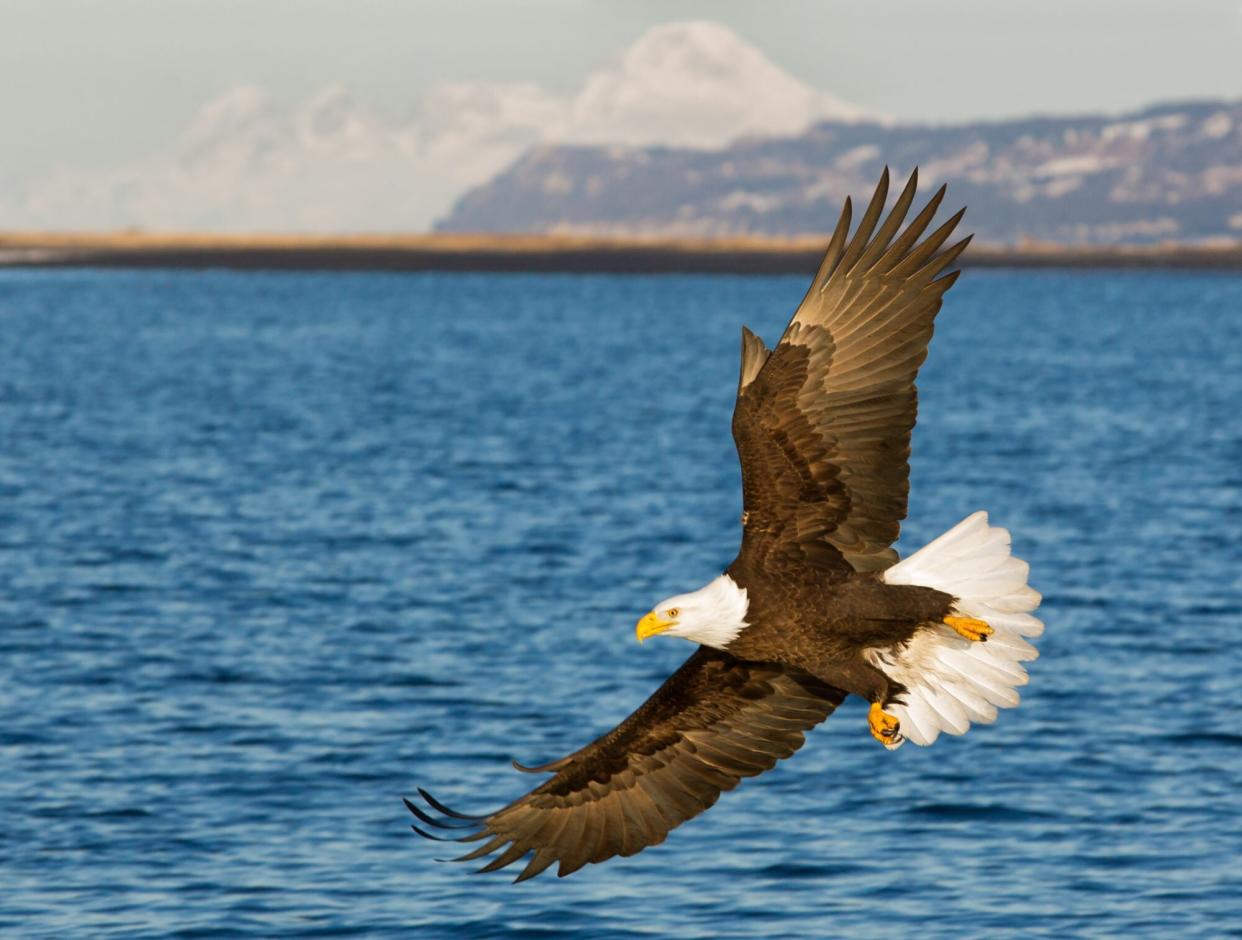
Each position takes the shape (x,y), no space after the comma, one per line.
(1171,172)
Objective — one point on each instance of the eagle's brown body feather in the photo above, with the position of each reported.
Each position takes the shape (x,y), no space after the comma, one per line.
(824,627)
(822,426)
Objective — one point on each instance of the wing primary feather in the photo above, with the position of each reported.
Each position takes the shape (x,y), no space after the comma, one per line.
(942,284)
(542,860)
(823,274)
(836,245)
(867,224)
(431,820)
(949,255)
(891,224)
(914,260)
(487,848)
(440,807)
(906,240)
(432,837)
(507,857)
(544,840)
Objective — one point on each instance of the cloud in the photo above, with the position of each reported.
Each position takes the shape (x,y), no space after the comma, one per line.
(332,164)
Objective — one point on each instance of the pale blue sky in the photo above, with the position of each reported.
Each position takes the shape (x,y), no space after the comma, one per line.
(93,82)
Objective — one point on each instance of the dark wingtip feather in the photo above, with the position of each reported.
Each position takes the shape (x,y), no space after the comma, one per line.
(440,807)
(434,838)
(431,820)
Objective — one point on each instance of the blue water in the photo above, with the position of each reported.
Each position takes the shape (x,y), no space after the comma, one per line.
(275,549)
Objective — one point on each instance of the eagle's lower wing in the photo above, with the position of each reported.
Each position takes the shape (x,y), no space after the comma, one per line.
(822,422)
(716,720)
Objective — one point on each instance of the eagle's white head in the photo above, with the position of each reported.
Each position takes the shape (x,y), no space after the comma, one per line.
(713,615)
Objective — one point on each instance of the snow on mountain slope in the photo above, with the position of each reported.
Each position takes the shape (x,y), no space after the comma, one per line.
(1167,173)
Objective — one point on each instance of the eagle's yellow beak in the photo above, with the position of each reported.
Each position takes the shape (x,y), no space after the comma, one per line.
(651,624)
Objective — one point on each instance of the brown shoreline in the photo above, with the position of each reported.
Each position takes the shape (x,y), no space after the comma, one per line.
(534,253)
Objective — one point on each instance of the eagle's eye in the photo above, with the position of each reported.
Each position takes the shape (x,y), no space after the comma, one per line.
(673,612)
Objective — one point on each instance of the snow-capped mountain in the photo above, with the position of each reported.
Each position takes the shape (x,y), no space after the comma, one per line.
(694,84)
(246,162)
(1167,173)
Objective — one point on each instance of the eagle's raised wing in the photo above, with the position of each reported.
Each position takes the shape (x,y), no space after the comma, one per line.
(822,422)
(714,721)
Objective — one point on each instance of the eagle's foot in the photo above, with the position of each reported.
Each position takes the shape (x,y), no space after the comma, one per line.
(885,728)
(977,631)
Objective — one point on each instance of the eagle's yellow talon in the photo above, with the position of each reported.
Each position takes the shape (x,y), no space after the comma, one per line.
(974,630)
(885,728)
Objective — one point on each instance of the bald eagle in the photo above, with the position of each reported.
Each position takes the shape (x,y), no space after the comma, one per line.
(817,605)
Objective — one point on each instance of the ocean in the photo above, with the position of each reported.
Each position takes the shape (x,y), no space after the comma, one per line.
(277,549)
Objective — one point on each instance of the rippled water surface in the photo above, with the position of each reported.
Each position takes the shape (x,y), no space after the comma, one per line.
(275,549)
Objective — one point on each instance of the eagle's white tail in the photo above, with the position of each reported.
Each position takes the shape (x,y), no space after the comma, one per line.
(953,681)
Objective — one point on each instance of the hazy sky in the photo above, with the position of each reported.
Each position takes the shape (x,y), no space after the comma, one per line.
(94,82)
